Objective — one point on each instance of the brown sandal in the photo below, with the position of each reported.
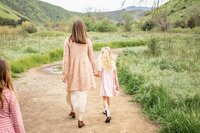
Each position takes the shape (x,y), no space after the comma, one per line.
(80,124)
(72,114)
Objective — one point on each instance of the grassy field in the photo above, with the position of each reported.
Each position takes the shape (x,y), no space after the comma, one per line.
(164,77)
(162,73)
(29,50)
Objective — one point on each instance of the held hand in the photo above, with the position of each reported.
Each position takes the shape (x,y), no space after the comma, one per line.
(96,74)
(63,80)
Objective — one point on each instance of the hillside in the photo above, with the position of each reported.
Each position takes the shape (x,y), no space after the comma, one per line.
(55,12)
(178,10)
(116,15)
(41,12)
(7,12)
(131,8)
(38,11)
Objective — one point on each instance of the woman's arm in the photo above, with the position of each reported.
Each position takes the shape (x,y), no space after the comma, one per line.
(98,74)
(65,63)
(16,114)
(91,54)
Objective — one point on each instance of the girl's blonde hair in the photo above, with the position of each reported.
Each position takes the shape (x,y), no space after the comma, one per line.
(5,78)
(106,58)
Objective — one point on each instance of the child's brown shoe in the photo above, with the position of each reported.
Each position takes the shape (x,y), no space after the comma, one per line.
(72,114)
(108,119)
(80,124)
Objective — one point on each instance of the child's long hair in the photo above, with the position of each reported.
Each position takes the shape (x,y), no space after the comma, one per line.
(5,78)
(78,34)
(106,58)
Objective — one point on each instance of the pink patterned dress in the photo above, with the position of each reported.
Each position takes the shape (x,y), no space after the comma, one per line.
(10,115)
(108,85)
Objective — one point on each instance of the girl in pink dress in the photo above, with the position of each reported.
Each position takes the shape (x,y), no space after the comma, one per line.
(10,115)
(109,80)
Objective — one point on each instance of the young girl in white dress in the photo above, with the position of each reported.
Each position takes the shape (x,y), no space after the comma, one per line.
(109,80)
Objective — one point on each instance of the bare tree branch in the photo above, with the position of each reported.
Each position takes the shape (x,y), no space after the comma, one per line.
(156,2)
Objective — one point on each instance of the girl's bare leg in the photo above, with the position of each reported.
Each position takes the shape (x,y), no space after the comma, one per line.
(108,101)
(105,104)
(72,109)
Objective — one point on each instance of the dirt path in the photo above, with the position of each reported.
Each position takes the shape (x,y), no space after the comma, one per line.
(42,99)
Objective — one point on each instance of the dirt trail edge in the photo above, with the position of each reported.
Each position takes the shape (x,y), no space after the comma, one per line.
(42,98)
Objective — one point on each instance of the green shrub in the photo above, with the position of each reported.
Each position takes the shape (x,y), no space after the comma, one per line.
(180,23)
(105,26)
(154,47)
(7,21)
(148,25)
(191,22)
(29,27)
(101,25)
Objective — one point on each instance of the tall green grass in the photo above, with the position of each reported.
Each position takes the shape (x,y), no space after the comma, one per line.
(26,51)
(19,49)
(166,85)
(34,59)
(24,63)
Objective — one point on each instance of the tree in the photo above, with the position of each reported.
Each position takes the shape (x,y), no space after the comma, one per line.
(127,21)
(97,14)
(156,2)
(88,11)
(161,19)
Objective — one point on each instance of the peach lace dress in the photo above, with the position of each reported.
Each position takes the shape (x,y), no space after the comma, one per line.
(78,65)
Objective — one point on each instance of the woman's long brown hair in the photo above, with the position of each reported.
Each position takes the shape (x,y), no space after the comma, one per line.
(78,34)
(5,78)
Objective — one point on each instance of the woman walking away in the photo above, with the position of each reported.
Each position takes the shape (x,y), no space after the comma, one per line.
(10,115)
(78,69)
(109,80)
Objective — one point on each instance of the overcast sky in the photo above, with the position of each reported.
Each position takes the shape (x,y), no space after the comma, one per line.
(102,5)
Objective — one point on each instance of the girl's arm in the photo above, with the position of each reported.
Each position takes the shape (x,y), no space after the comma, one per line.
(116,79)
(16,114)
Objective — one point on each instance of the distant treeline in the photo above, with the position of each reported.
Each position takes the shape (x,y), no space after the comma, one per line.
(11,22)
